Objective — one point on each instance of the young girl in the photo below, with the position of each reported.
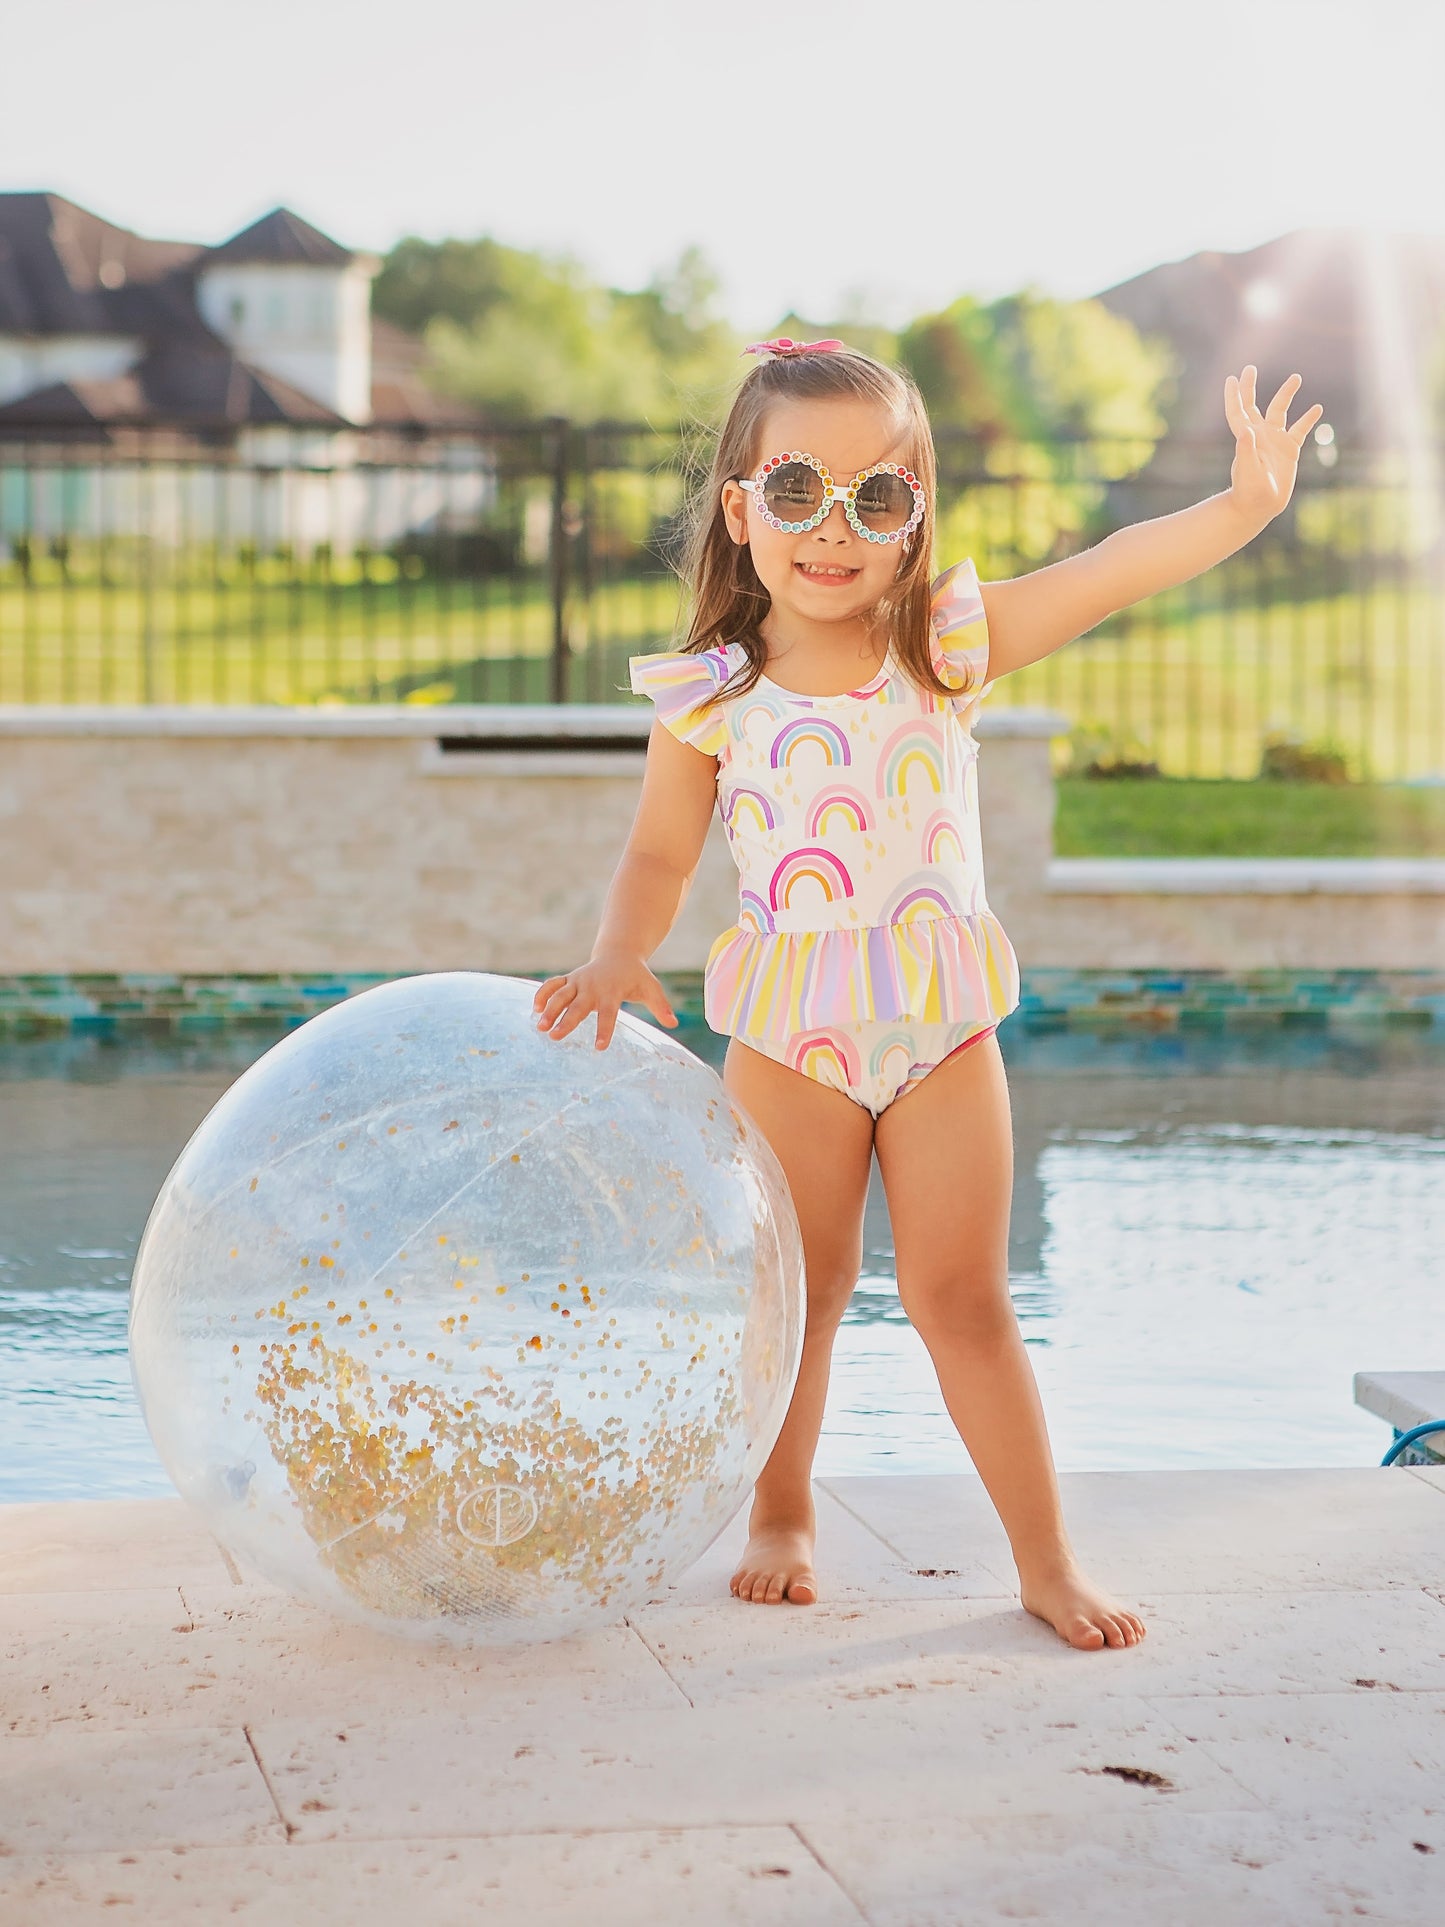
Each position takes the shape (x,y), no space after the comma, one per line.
(824,702)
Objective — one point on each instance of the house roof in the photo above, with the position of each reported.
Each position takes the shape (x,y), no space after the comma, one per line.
(400,397)
(63,270)
(176,387)
(283,238)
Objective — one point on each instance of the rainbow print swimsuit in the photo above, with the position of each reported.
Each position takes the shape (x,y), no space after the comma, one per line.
(853,821)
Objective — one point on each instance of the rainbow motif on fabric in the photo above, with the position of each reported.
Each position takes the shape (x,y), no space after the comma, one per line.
(941,840)
(911,754)
(754,914)
(894,1040)
(817,1053)
(757,703)
(839,808)
(809,866)
(921,896)
(811,732)
(750,809)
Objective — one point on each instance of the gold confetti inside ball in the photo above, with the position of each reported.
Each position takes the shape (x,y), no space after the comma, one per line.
(463,1331)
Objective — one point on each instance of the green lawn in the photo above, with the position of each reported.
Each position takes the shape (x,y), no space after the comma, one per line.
(273,641)
(1177,817)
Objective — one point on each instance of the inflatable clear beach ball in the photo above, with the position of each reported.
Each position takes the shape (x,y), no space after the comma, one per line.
(463,1331)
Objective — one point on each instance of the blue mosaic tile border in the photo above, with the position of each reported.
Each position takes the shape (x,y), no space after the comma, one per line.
(1051,1000)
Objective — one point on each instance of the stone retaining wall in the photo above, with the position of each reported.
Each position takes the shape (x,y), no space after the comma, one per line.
(271,842)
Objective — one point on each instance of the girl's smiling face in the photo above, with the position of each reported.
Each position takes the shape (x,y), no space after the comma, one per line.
(829,574)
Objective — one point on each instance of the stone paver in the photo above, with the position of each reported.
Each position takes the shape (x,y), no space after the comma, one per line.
(1313,1752)
(184,1742)
(97,1545)
(730,1765)
(207,1655)
(1156,1867)
(731,1876)
(1226,1643)
(78,1790)
(1150,1532)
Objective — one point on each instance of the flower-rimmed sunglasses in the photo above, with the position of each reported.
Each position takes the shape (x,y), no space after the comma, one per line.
(794,493)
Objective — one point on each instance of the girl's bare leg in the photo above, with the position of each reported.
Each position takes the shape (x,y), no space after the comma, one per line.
(946,1152)
(824,1142)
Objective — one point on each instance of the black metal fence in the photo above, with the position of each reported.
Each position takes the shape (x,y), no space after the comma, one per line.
(526,566)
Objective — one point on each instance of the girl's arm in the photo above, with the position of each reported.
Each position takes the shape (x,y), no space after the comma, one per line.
(679,791)
(1032,615)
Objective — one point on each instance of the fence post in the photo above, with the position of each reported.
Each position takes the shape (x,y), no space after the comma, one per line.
(560,432)
(147,495)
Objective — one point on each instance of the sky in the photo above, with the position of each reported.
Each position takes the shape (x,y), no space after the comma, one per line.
(839,157)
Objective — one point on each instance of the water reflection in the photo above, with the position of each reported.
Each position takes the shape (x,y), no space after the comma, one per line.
(1210,1233)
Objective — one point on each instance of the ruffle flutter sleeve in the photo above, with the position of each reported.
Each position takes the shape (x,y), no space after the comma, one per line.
(960,636)
(680,682)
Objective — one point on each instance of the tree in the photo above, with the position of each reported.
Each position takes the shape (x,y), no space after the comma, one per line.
(525,335)
(423,280)
(1012,386)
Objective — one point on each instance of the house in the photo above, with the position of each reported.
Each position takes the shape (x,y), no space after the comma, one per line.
(262,349)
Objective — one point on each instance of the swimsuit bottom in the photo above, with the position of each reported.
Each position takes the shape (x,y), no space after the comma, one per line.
(873,1063)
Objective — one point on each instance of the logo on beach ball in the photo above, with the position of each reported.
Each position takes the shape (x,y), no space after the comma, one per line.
(496,1515)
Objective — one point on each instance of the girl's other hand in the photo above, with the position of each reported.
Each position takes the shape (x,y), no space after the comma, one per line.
(611,979)
(1266,449)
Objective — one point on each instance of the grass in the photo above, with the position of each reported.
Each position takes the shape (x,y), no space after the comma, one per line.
(274,641)
(1178,817)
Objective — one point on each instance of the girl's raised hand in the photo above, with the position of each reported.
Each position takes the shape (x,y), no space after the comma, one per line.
(1266,448)
(610,980)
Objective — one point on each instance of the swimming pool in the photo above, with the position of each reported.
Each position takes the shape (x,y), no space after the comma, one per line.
(1211,1234)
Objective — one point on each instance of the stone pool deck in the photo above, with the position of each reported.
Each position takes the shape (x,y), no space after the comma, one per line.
(181,1744)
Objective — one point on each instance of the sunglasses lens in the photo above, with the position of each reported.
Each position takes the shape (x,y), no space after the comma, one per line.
(794,492)
(884,504)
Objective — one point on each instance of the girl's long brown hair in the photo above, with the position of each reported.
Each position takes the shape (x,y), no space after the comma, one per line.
(728,600)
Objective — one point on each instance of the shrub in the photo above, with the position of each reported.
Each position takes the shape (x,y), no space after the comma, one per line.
(1285,759)
(1097,751)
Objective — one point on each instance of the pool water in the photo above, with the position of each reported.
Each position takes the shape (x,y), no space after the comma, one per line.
(1211,1234)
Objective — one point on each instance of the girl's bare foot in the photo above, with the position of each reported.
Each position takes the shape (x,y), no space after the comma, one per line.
(777,1564)
(1079,1612)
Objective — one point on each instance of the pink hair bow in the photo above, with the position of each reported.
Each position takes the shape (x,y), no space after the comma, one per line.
(784,346)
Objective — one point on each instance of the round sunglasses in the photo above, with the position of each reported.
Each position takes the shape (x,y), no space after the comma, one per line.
(794,493)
